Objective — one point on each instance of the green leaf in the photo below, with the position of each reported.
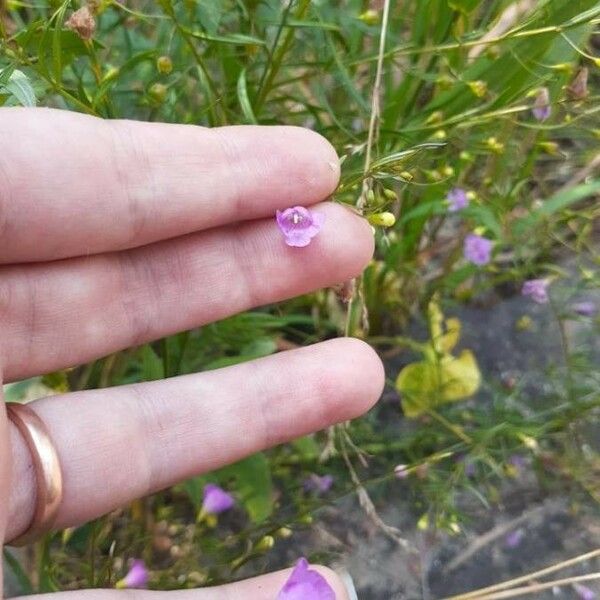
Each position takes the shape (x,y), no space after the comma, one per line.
(244,100)
(19,87)
(232,38)
(307,447)
(152,365)
(19,572)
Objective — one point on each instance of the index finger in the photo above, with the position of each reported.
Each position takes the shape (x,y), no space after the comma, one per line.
(73,185)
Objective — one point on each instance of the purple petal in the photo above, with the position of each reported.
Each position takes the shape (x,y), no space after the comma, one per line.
(298,239)
(317,483)
(137,577)
(299,225)
(514,538)
(584,592)
(585,308)
(401,471)
(457,199)
(216,500)
(536,289)
(541,107)
(306,584)
(477,249)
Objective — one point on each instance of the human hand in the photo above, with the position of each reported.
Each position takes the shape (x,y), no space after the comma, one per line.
(115,233)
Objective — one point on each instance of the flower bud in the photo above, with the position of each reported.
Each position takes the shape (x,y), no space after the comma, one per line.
(164,65)
(382,219)
(390,194)
(158,92)
(578,88)
(265,543)
(82,22)
(549,148)
(284,533)
(435,117)
(479,88)
(370,17)
(494,145)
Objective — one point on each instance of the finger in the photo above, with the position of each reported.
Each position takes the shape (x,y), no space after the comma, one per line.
(54,315)
(74,185)
(5,463)
(123,443)
(265,587)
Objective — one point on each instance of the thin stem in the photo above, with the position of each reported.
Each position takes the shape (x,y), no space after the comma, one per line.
(278,57)
(524,578)
(375,106)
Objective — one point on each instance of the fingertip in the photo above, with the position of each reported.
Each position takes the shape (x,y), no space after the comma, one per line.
(349,239)
(322,167)
(355,376)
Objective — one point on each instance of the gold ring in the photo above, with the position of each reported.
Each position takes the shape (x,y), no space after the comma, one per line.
(48,474)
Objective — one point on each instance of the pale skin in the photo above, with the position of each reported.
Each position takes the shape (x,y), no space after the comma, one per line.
(116,233)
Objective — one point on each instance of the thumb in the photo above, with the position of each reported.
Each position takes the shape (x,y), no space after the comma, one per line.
(5,463)
(265,587)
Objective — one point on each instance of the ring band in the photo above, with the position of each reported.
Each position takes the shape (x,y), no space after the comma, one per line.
(48,474)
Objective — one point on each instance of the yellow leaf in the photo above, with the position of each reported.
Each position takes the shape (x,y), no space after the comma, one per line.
(425,385)
(417,383)
(452,335)
(460,377)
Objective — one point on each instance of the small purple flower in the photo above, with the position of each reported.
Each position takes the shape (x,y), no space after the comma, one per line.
(470,468)
(457,199)
(305,584)
(514,538)
(320,484)
(541,107)
(137,577)
(536,289)
(299,225)
(477,249)
(216,500)
(585,308)
(401,471)
(516,464)
(584,592)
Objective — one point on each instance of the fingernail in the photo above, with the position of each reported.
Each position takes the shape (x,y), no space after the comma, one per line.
(348,584)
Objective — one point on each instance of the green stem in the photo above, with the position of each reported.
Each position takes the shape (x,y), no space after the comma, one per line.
(279,55)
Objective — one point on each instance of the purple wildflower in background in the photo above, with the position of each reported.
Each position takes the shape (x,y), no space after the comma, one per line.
(401,471)
(477,249)
(216,500)
(457,199)
(541,107)
(514,538)
(584,592)
(536,289)
(585,309)
(320,484)
(306,584)
(299,225)
(136,578)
